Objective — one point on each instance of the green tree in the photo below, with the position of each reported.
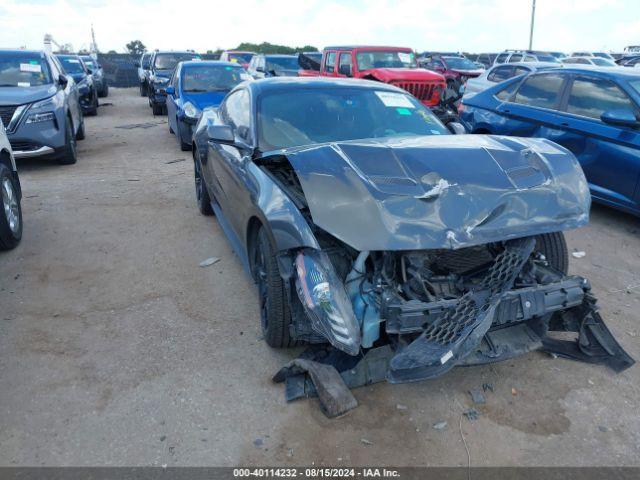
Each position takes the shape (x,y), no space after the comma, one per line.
(136,47)
(266,47)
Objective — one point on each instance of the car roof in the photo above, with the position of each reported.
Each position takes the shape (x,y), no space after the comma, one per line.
(278,55)
(529,64)
(605,72)
(221,63)
(284,83)
(366,47)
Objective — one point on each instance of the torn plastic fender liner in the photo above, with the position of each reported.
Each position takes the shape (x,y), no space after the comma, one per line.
(325,300)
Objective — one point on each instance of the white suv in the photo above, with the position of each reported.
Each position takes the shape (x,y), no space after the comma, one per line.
(10,196)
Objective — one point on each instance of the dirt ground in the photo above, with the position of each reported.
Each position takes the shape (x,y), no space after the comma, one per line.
(116,348)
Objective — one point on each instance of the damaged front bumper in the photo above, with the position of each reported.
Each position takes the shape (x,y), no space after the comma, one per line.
(493,321)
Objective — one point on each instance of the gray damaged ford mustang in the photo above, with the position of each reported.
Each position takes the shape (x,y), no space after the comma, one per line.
(390,247)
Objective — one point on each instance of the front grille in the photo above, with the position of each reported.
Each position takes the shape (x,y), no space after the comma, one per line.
(6,114)
(23,146)
(421,90)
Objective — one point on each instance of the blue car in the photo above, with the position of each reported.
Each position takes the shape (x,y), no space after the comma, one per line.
(195,86)
(593,112)
(75,67)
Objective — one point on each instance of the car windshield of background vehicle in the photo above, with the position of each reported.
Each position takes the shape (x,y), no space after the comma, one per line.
(547,58)
(602,62)
(207,78)
(71,65)
(458,63)
(23,70)
(307,116)
(282,63)
(146,61)
(240,57)
(592,97)
(168,61)
(89,63)
(635,84)
(385,59)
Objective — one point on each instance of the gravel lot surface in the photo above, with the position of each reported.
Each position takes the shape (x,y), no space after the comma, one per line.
(116,348)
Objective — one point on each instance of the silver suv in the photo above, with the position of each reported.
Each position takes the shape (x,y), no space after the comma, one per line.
(39,106)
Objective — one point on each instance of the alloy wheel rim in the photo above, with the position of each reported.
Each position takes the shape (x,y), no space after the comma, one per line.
(10,203)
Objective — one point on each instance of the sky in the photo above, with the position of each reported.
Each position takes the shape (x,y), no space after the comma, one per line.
(452,25)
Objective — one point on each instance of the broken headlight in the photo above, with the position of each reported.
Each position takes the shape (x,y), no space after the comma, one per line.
(326,302)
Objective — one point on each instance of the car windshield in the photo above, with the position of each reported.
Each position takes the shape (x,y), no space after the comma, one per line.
(602,55)
(547,58)
(240,57)
(23,69)
(209,78)
(282,63)
(636,85)
(316,115)
(89,62)
(168,61)
(71,64)
(146,60)
(385,59)
(460,63)
(602,62)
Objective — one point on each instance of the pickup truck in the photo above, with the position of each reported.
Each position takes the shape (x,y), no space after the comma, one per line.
(394,65)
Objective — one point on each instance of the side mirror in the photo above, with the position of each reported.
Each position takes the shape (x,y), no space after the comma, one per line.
(63,81)
(345,70)
(170,90)
(222,134)
(620,118)
(456,128)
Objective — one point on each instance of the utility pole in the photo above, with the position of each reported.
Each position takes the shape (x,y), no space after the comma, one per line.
(533,18)
(94,46)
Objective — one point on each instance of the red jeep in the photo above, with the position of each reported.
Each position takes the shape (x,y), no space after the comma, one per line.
(394,65)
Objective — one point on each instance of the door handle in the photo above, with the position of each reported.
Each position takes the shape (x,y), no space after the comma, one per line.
(564,124)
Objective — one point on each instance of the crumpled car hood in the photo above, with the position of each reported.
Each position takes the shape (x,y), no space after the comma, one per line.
(405,74)
(447,191)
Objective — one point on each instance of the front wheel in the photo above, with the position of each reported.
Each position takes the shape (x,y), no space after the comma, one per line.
(202,195)
(157,109)
(104,92)
(10,210)
(554,247)
(70,155)
(275,315)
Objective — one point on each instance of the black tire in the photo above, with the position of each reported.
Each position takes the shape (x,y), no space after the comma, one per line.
(104,92)
(143,89)
(70,155)
(202,194)
(157,109)
(80,134)
(275,315)
(554,247)
(170,129)
(10,233)
(184,146)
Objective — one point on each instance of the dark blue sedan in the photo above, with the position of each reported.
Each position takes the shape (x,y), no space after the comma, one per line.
(593,112)
(195,86)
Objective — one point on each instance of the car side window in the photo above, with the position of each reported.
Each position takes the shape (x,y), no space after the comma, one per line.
(591,97)
(529,58)
(500,74)
(520,71)
(516,57)
(56,69)
(540,91)
(502,58)
(237,113)
(344,61)
(506,93)
(330,62)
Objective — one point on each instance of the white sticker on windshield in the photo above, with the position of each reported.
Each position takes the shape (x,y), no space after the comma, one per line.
(24,84)
(392,99)
(405,57)
(30,67)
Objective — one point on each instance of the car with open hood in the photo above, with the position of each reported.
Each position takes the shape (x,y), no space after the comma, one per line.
(397,249)
(195,86)
(39,106)
(97,72)
(455,69)
(75,67)
(161,66)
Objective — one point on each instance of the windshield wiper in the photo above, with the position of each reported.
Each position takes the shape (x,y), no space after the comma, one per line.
(8,85)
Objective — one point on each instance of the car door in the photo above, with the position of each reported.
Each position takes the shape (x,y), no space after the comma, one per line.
(532,111)
(228,163)
(609,154)
(345,65)
(329,65)
(172,107)
(70,91)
